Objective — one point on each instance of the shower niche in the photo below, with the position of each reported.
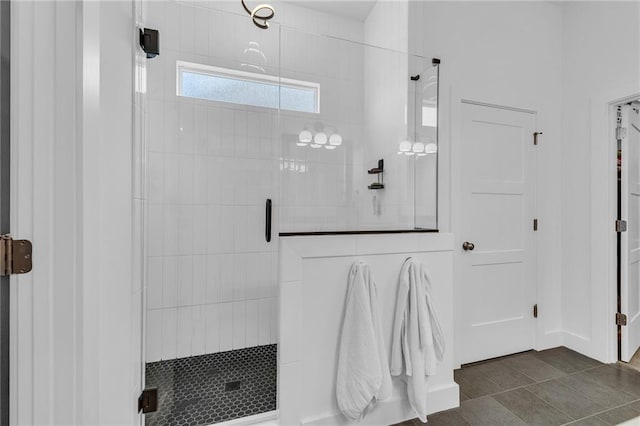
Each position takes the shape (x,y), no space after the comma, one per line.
(232,115)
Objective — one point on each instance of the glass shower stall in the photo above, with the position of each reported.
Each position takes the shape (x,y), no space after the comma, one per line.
(247,136)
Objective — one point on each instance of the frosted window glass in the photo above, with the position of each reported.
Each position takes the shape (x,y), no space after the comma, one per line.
(248,91)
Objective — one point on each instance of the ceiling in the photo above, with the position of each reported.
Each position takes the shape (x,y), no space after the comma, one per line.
(354,9)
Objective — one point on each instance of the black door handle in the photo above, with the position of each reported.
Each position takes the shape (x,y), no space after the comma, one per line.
(267,221)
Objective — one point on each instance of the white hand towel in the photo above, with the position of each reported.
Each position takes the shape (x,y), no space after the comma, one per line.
(363,372)
(417,341)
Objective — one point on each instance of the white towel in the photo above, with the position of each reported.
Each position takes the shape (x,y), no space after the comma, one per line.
(363,371)
(417,341)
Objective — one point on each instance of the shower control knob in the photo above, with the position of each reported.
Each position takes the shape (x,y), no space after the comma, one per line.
(467,246)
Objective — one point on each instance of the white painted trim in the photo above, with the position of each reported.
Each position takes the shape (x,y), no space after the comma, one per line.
(245,76)
(508,108)
(602,344)
(71,343)
(439,400)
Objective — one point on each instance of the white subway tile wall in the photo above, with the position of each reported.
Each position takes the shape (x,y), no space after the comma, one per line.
(210,166)
(211,279)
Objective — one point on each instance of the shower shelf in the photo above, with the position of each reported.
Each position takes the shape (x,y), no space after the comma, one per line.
(377,171)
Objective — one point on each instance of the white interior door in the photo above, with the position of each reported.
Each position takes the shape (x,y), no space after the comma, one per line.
(630,240)
(498,287)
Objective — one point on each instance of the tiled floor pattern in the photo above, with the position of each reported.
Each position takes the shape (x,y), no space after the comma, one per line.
(203,390)
(635,361)
(552,387)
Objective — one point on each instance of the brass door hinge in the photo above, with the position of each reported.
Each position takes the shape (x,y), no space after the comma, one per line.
(621,226)
(621,319)
(535,310)
(15,255)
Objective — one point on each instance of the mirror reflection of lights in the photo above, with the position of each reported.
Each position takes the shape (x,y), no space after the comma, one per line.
(304,138)
(419,149)
(319,140)
(254,59)
(293,166)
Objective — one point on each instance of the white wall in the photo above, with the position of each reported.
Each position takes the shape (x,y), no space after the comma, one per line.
(74,342)
(313,286)
(601,63)
(504,53)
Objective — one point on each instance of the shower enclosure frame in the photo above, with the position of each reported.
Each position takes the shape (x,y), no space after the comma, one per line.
(142,78)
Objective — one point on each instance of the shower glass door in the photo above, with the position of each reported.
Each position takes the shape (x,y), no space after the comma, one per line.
(211,159)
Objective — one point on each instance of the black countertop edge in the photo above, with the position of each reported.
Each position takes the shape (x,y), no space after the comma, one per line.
(389,231)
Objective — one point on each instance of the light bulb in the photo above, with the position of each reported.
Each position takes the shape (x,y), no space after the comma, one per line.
(305,136)
(431,148)
(320,138)
(418,147)
(404,146)
(335,139)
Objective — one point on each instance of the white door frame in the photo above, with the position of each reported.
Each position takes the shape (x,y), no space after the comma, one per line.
(72,350)
(601,344)
(612,179)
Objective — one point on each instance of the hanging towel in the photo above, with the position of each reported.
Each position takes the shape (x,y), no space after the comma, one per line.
(363,371)
(417,341)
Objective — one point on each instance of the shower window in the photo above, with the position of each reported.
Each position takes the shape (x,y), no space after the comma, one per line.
(246,88)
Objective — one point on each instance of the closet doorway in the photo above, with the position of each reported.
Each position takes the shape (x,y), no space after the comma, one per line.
(627,136)
(498,276)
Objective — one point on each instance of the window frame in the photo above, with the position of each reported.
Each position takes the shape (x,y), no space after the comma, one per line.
(210,70)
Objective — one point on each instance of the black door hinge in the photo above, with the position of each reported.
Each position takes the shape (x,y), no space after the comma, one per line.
(148,400)
(535,310)
(535,224)
(150,42)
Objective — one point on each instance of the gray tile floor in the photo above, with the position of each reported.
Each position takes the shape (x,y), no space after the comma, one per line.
(553,387)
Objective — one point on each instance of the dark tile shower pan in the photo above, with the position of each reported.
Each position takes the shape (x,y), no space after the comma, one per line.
(213,388)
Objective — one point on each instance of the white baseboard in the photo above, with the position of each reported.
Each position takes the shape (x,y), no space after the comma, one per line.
(550,339)
(396,410)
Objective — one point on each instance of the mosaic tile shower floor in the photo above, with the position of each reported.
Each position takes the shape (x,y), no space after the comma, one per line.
(203,390)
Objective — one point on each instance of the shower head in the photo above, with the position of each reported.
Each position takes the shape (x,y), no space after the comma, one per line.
(262,12)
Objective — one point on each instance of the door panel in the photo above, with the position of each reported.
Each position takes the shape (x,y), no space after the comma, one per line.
(630,240)
(498,278)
